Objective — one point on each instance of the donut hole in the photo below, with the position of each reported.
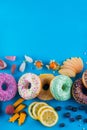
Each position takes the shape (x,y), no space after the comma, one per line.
(84,90)
(28,85)
(64,87)
(46,87)
(4,86)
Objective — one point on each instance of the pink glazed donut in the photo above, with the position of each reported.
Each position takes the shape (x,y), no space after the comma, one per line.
(29,86)
(11,87)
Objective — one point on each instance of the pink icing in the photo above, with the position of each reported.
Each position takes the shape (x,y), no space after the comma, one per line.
(11,90)
(35,86)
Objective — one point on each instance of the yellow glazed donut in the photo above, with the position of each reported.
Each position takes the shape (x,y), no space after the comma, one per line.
(45,93)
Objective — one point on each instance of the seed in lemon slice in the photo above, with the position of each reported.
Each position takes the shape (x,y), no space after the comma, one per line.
(37,107)
(30,108)
(41,109)
(48,117)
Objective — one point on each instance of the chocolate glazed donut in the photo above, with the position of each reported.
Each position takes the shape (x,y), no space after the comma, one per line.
(79,92)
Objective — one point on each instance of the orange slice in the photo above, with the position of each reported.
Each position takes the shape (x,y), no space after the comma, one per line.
(48,117)
(30,108)
(19,101)
(36,107)
(22,118)
(43,108)
(19,108)
(14,117)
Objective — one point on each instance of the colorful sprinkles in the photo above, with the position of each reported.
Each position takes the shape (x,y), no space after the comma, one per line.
(39,64)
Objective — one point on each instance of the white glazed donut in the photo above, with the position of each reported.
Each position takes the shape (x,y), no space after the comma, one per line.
(29,86)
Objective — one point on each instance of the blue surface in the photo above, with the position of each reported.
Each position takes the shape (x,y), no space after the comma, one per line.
(43,29)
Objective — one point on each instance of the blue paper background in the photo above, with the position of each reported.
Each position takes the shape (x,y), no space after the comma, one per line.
(43,29)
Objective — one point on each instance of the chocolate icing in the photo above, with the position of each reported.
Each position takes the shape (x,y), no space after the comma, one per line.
(79,92)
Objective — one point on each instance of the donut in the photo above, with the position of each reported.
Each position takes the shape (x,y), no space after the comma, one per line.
(84,78)
(60,87)
(29,86)
(79,92)
(45,93)
(10,89)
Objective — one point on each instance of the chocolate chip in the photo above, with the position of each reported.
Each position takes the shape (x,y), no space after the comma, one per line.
(72,119)
(85,120)
(74,109)
(58,108)
(62,124)
(69,107)
(67,114)
(81,107)
(79,117)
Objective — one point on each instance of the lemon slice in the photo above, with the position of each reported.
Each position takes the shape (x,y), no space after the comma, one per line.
(30,108)
(36,107)
(42,108)
(48,117)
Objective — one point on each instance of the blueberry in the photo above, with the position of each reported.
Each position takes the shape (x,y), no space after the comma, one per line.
(81,107)
(74,109)
(62,124)
(72,119)
(69,107)
(58,108)
(67,114)
(79,117)
(85,120)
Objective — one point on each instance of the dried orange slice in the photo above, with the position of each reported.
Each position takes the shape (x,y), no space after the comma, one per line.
(36,107)
(19,108)
(48,117)
(14,117)
(43,108)
(18,102)
(22,118)
(30,108)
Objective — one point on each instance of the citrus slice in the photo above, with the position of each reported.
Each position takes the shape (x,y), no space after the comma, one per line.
(36,107)
(42,109)
(30,108)
(48,117)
